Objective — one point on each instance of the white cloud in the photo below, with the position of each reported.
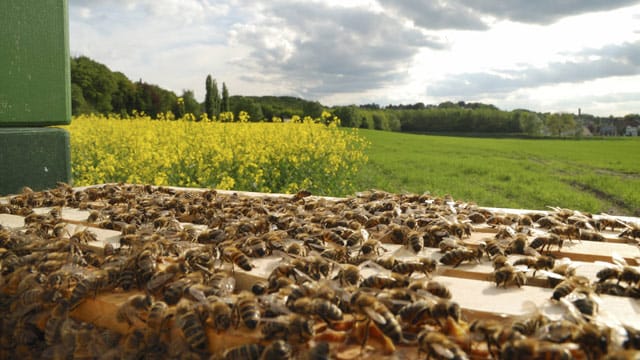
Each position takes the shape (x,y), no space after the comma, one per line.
(363,51)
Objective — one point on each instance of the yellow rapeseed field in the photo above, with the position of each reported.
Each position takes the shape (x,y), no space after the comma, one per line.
(264,157)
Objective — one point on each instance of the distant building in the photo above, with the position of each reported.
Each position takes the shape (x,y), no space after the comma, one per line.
(631,131)
(608,130)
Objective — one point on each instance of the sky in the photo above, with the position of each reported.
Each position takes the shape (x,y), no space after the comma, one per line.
(543,55)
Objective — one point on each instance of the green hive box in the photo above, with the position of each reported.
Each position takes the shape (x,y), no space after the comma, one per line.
(34,157)
(34,63)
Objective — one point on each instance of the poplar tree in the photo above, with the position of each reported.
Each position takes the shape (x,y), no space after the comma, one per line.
(224,107)
(208,97)
(215,98)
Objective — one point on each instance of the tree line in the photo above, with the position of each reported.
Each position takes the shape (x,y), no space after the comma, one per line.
(97,89)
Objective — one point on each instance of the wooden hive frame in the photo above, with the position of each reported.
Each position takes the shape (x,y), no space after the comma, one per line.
(471,283)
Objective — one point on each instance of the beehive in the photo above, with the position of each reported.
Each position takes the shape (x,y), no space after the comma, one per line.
(205,252)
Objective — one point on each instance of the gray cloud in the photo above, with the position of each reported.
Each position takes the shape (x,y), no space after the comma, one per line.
(471,14)
(542,11)
(330,49)
(436,15)
(614,60)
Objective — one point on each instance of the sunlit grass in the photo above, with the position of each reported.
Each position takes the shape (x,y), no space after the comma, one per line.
(590,175)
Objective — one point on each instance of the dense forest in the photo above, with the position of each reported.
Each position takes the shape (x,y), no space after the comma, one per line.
(97,89)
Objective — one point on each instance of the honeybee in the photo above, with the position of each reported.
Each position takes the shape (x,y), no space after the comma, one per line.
(583,300)
(255,247)
(332,237)
(568,285)
(134,344)
(590,235)
(510,275)
(277,350)
(569,231)
(211,236)
(84,343)
(244,352)
(517,245)
(372,247)
(296,249)
(376,312)
(536,262)
(437,345)
(323,308)
(632,231)
(505,232)
(130,310)
(387,262)
(548,241)
(619,270)
(563,268)
(237,257)
(532,348)
(383,281)
(395,233)
(320,351)
(435,234)
(349,275)
(82,290)
(220,314)
(156,321)
(294,328)
(456,257)
(246,308)
(54,323)
(437,289)
(83,237)
(493,248)
(496,220)
(414,241)
(189,321)
(423,264)
(489,331)
(338,254)
(610,288)
(450,243)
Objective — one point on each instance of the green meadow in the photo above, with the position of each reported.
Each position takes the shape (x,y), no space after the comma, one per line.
(594,175)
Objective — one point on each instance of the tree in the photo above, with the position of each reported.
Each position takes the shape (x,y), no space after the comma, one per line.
(224,106)
(96,81)
(208,97)
(348,116)
(312,108)
(243,103)
(558,124)
(190,104)
(530,123)
(215,96)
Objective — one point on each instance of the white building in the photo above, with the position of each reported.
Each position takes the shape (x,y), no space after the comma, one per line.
(631,131)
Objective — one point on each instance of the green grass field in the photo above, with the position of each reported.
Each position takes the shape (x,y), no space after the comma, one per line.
(594,175)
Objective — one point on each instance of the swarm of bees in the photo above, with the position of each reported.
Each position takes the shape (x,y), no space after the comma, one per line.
(318,301)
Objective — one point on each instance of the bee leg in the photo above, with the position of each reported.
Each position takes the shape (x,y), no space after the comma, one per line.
(366,335)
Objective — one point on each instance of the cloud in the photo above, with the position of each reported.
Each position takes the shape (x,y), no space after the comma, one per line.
(589,64)
(318,50)
(436,15)
(541,11)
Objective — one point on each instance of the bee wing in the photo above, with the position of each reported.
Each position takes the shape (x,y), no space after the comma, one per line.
(365,234)
(372,264)
(377,318)
(198,294)
(624,224)
(618,259)
(551,274)
(443,351)
(521,268)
